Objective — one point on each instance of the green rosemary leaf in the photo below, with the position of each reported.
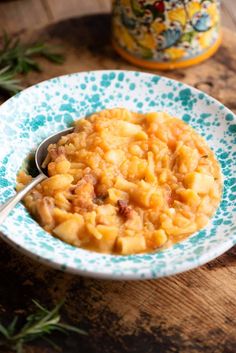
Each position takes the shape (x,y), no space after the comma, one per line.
(20,58)
(8,83)
(4,331)
(53,57)
(72,329)
(38,325)
(18,347)
(35,48)
(39,306)
(12,327)
(52,344)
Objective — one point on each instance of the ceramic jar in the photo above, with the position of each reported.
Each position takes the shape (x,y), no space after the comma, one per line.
(166,34)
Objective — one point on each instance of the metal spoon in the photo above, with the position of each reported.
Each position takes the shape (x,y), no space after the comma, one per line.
(40,155)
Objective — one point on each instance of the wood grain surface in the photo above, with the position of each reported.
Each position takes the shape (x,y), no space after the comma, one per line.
(189,313)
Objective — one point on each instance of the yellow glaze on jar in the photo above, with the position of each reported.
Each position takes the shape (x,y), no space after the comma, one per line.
(166,34)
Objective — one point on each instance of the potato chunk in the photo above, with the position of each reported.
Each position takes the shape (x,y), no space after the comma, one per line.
(131,245)
(108,239)
(187,159)
(70,230)
(115,156)
(189,197)
(147,195)
(56,183)
(124,128)
(114,195)
(198,182)
(60,167)
(61,216)
(124,185)
(159,238)
(107,215)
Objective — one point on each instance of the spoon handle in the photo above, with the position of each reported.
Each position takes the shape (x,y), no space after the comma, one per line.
(6,208)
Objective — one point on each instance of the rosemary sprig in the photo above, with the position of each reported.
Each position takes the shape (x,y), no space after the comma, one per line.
(19,58)
(8,83)
(38,325)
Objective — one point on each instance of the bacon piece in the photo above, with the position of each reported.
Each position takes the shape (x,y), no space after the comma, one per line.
(84,193)
(55,152)
(44,209)
(89,178)
(123,209)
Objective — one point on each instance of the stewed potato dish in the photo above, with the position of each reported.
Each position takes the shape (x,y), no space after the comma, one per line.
(126,183)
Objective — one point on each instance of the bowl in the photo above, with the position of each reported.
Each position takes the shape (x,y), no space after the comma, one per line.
(37,112)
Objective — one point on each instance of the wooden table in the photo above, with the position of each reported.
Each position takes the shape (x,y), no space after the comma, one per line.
(189,313)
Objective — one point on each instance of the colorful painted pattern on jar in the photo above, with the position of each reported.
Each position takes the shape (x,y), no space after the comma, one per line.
(166,34)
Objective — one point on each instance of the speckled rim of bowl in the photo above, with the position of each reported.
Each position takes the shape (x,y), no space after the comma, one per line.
(197,249)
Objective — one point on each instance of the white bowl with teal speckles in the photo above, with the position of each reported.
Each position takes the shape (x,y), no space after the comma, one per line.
(39,111)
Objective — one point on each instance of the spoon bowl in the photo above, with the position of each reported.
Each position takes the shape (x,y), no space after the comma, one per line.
(42,149)
(40,156)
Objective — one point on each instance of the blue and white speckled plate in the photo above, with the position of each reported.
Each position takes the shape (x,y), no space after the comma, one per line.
(37,112)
